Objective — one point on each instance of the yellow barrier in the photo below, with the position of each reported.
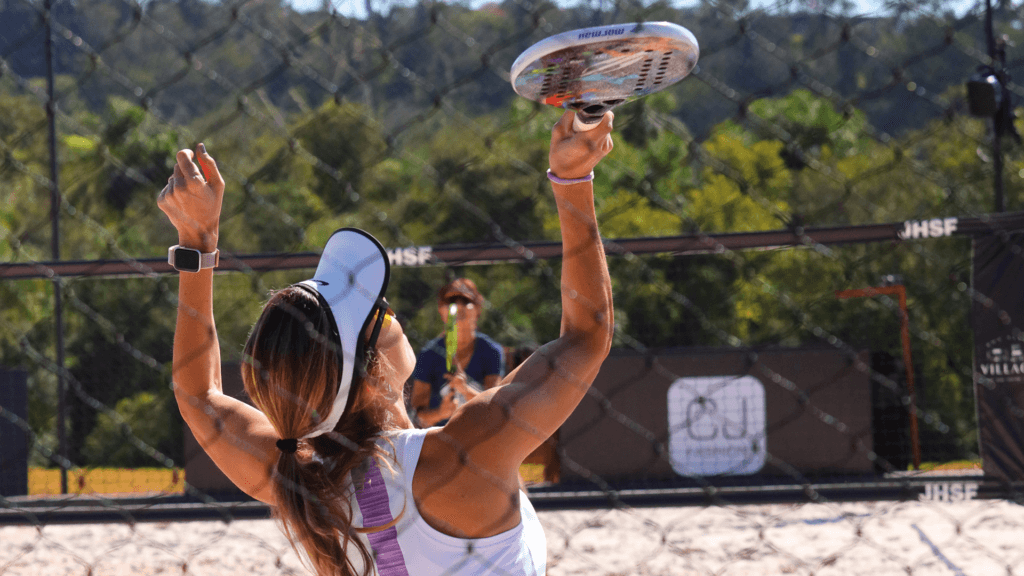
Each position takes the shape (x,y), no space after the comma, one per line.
(45,481)
(42,481)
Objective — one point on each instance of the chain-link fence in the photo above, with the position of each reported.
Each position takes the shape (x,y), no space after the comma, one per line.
(739,376)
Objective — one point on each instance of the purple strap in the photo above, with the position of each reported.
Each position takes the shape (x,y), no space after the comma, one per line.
(376,509)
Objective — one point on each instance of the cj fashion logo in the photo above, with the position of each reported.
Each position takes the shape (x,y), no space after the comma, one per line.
(1003,360)
(717,425)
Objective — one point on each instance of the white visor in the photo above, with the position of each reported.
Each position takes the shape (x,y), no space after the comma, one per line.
(351,278)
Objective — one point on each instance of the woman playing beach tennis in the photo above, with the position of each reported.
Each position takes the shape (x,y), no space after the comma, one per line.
(330,446)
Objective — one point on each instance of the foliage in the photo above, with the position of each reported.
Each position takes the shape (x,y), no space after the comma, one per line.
(400,125)
(144,417)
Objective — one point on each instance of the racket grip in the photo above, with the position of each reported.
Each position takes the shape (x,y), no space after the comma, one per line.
(581,126)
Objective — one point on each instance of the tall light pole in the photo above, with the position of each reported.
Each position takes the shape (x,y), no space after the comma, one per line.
(55,201)
(988,96)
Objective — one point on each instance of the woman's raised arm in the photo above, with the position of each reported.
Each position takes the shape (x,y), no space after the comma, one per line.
(480,449)
(238,438)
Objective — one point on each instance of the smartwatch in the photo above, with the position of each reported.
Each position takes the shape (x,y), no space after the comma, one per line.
(191,260)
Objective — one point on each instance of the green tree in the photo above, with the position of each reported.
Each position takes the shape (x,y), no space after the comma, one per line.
(144,423)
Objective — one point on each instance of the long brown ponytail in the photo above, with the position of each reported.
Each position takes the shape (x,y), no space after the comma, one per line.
(291,373)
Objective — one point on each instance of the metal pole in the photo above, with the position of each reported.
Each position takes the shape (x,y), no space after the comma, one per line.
(997,165)
(55,201)
(990,38)
(900,291)
(997,145)
(915,443)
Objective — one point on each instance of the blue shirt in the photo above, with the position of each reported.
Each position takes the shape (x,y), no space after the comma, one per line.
(488,358)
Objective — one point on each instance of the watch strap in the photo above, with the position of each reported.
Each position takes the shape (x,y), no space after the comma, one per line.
(210,260)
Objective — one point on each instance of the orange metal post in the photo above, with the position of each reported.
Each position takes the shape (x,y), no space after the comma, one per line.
(901,292)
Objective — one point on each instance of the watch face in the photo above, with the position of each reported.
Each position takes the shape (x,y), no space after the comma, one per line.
(186,259)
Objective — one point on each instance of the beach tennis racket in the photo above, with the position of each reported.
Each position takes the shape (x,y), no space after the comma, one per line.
(451,336)
(592,70)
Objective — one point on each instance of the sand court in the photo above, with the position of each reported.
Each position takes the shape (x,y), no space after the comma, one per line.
(979,537)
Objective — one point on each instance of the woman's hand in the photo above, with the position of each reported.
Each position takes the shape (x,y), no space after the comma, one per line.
(193,202)
(574,154)
(459,382)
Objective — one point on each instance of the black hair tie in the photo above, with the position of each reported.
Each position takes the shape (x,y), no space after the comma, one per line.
(288,445)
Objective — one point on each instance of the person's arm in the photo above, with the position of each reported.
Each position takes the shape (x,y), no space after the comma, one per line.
(463,384)
(495,370)
(480,449)
(491,380)
(430,367)
(238,438)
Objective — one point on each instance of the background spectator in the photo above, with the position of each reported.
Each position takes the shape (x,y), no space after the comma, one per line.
(479,362)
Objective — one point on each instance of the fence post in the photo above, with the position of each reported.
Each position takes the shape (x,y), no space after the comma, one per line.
(55,201)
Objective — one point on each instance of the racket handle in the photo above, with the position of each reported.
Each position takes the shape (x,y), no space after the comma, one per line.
(581,126)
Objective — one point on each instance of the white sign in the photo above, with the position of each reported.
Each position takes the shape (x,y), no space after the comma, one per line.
(717,425)
(949,492)
(1003,361)
(934,228)
(411,256)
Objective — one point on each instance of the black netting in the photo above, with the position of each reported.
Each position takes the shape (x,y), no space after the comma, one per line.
(757,413)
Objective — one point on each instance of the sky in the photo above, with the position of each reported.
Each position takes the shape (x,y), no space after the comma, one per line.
(356,8)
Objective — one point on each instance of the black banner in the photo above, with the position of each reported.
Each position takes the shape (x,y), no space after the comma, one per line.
(997,315)
(13,439)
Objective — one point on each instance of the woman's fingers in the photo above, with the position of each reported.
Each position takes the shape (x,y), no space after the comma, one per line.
(165,190)
(187,166)
(599,136)
(210,169)
(574,154)
(179,177)
(605,127)
(191,202)
(563,128)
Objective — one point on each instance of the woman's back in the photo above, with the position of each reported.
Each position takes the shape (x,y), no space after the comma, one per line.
(325,366)
(411,547)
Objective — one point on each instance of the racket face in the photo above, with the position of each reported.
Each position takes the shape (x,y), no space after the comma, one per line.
(451,336)
(592,70)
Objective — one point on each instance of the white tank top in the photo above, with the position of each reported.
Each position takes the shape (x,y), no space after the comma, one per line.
(413,548)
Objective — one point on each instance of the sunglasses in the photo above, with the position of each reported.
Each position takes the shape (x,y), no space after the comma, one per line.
(461,300)
(383,318)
